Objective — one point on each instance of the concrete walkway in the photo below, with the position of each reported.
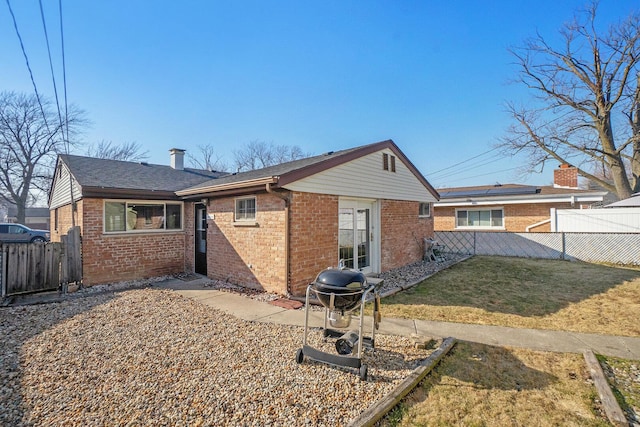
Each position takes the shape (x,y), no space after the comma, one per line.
(535,339)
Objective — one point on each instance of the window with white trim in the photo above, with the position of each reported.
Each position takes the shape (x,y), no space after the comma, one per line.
(480,218)
(424,210)
(121,216)
(245,209)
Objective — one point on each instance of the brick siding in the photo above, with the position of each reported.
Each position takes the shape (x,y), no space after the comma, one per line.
(64,220)
(402,232)
(189,237)
(252,256)
(120,257)
(314,237)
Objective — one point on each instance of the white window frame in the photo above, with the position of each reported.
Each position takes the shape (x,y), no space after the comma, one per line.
(243,218)
(128,202)
(420,213)
(482,227)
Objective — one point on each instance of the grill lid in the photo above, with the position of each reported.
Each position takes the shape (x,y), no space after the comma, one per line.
(348,279)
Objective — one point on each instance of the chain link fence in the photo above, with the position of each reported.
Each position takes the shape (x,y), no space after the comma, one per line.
(615,248)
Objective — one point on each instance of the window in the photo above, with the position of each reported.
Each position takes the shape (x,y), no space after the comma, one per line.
(246,209)
(480,218)
(122,216)
(424,211)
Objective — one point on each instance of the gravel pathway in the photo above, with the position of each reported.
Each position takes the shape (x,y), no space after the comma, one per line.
(152,357)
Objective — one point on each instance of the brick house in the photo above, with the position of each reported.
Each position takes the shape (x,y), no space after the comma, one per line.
(272,229)
(511,207)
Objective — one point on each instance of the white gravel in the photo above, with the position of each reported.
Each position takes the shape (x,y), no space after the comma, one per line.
(151,357)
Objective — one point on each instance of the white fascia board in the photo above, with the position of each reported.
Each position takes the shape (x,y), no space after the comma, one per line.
(564,198)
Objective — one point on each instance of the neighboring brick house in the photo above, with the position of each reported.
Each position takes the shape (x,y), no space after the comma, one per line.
(511,207)
(272,229)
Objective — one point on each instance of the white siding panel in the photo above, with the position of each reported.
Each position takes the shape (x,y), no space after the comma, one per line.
(612,220)
(61,192)
(364,177)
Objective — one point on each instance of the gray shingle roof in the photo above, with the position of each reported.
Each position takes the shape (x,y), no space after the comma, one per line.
(99,177)
(115,174)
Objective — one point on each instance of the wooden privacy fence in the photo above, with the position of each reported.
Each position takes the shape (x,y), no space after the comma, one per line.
(35,267)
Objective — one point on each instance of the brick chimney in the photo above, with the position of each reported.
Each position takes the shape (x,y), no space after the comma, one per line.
(566,176)
(177,158)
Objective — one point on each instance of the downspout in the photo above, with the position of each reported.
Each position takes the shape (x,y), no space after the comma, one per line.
(287,202)
(537,224)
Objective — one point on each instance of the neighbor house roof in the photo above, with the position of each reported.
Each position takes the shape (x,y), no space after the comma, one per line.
(12,211)
(631,202)
(105,177)
(280,175)
(514,194)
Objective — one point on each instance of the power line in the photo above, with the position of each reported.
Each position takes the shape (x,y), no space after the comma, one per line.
(464,161)
(485,174)
(475,164)
(26,58)
(53,77)
(64,82)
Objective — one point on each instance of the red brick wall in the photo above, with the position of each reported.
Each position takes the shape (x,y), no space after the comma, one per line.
(117,257)
(516,217)
(444,218)
(314,237)
(64,220)
(189,237)
(252,256)
(402,232)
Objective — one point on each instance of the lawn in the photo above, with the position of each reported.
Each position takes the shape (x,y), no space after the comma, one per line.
(482,385)
(477,384)
(527,293)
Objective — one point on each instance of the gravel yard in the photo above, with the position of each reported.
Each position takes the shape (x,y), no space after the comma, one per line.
(152,357)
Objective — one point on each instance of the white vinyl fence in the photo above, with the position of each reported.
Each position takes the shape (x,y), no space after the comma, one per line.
(615,248)
(606,220)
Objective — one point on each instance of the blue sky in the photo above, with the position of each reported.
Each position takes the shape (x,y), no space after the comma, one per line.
(431,75)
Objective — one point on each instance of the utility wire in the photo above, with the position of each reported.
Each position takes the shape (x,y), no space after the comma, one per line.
(64,82)
(476,164)
(53,77)
(26,58)
(464,161)
(485,174)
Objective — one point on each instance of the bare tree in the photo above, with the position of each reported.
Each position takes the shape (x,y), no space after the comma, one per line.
(259,154)
(207,159)
(127,151)
(585,109)
(31,136)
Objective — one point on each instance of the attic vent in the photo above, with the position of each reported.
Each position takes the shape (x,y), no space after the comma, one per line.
(388,162)
(144,163)
(329,153)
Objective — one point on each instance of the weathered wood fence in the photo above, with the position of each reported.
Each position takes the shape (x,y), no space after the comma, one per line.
(35,267)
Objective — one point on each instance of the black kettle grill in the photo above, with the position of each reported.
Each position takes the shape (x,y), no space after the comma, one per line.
(342,291)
